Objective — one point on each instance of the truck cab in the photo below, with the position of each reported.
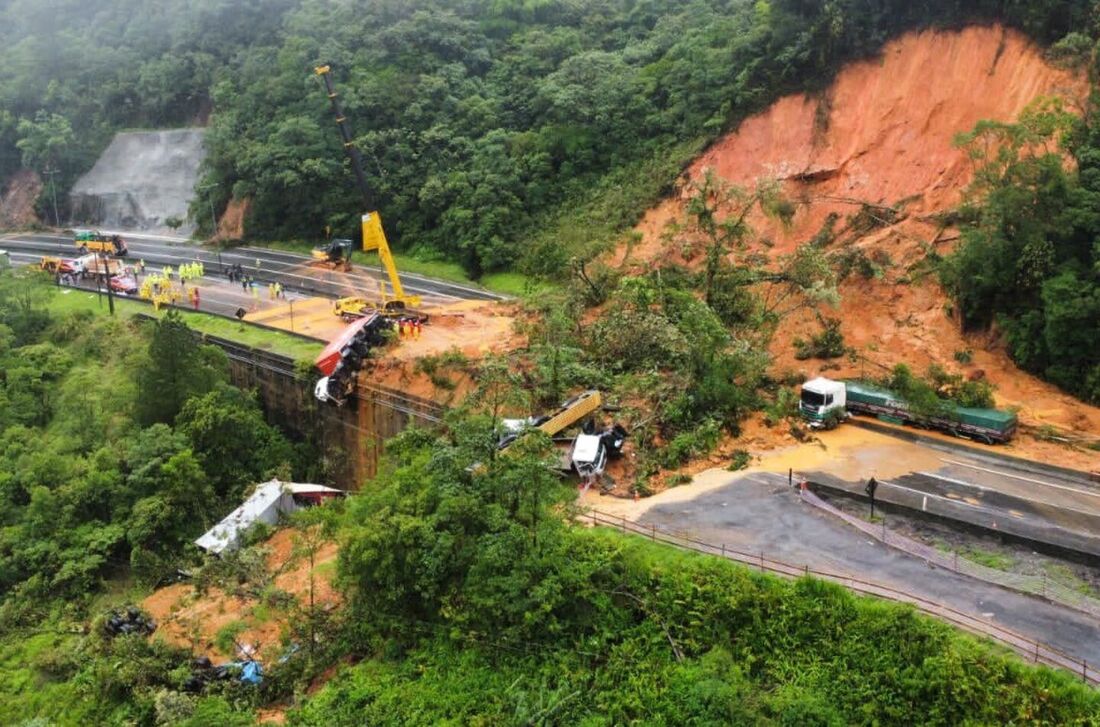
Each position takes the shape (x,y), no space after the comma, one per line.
(819,398)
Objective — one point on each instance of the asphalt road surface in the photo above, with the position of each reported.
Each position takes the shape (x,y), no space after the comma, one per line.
(966,484)
(759,512)
(291,270)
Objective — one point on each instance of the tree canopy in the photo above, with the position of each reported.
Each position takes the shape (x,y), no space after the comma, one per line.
(493,131)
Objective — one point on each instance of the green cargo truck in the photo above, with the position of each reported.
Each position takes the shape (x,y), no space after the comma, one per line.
(822,401)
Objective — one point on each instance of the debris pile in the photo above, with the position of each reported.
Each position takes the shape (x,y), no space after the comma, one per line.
(130,620)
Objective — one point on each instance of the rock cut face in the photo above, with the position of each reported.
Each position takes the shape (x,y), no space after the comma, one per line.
(141,180)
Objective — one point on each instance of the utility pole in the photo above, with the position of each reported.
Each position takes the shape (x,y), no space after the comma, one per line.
(53,193)
(214,224)
(107,280)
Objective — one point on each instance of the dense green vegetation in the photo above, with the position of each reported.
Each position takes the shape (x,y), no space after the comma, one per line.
(502,135)
(506,135)
(117,446)
(476,601)
(493,131)
(1030,261)
(470,594)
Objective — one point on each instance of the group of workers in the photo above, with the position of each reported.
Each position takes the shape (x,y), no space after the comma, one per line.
(187,271)
(190,271)
(409,328)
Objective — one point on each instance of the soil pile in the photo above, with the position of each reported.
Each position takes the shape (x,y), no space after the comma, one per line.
(192,619)
(882,134)
(17,201)
(231,224)
(875,155)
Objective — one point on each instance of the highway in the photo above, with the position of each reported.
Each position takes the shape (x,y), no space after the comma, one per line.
(978,488)
(291,270)
(759,513)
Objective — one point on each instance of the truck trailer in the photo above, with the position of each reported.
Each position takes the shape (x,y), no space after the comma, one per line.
(824,403)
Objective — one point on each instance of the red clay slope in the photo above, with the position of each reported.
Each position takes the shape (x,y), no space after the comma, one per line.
(883,134)
(886,128)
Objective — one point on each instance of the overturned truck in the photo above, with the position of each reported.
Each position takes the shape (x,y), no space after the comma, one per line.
(343,358)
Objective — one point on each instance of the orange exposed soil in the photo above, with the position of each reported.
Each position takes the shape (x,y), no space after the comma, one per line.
(17,201)
(190,619)
(231,224)
(473,327)
(883,135)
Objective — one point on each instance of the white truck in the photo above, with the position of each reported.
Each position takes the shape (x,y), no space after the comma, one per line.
(823,403)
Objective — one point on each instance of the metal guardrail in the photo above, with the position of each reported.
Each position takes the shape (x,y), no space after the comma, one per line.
(1035,651)
(1032,585)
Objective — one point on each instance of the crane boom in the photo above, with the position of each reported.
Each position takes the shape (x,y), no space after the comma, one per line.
(325,72)
(374,237)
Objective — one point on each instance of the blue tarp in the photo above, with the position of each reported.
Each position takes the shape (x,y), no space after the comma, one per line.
(252,672)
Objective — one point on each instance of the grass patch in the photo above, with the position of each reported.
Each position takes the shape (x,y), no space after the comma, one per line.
(1064,575)
(34,674)
(241,332)
(996,561)
(226,638)
(260,614)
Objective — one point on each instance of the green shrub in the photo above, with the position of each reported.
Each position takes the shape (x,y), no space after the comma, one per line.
(829,343)
(740,460)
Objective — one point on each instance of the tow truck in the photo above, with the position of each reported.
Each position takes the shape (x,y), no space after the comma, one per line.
(355,307)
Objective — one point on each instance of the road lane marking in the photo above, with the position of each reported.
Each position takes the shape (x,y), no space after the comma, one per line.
(1021,478)
(963,483)
(354,283)
(157,256)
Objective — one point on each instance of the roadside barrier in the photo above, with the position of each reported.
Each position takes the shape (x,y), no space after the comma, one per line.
(1034,651)
(1032,585)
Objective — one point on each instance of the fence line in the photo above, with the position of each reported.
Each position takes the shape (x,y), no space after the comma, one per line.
(1036,651)
(1032,585)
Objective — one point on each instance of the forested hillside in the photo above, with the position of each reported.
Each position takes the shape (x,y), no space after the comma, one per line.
(117,446)
(492,131)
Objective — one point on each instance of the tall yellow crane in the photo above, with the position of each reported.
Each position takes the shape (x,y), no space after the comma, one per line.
(374,237)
